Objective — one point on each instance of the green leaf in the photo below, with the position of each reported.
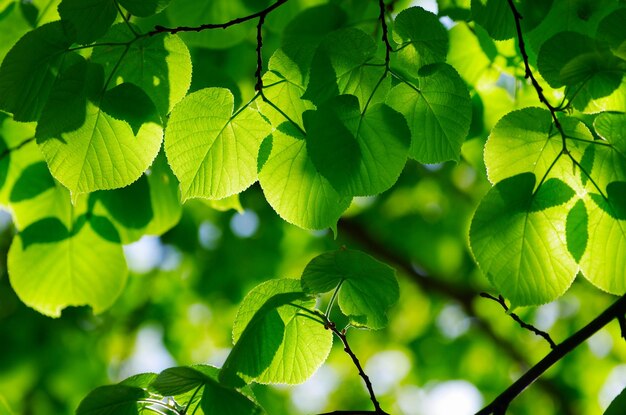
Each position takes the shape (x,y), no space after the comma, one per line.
(368,287)
(29,69)
(438,110)
(128,208)
(569,58)
(97,141)
(164,197)
(293,186)
(517,240)
(466,54)
(14,25)
(284,85)
(422,39)
(178,380)
(212,151)
(87,19)
(149,206)
(52,270)
(612,127)
(495,16)
(112,400)
(360,154)
(144,8)
(160,65)
(220,400)
(576,230)
(617,406)
(610,30)
(527,141)
(140,380)
(276,342)
(337,66)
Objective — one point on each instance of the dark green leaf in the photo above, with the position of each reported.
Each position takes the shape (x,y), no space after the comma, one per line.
(112,400)
(368,287)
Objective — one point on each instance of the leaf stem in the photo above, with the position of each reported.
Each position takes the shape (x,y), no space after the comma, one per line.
(524,325)
(159,403)
(385,36)
(332,299)
(126,19)
(259,58)
(191,400)
(500,404)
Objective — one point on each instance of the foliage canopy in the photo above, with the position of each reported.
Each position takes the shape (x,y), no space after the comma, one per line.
(491,132)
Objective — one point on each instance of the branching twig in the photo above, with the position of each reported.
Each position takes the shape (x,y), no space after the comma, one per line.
(239,20)
(524,325)
(346,347)
(529,73)
(259,58)
(464,295)
(502,402)
(383,22)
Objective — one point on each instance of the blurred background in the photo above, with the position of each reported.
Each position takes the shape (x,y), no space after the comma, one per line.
(446,350)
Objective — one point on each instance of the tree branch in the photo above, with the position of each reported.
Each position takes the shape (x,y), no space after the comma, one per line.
(524,325)
(346,347)
(501,403)
(239,20)
(529,73)
(385,30)
(259,58)
(463,295)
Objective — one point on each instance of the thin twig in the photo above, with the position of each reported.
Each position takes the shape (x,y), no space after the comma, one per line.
(524,325)
(239,20)
(462,294)
(385,38)
(502,401)
(529,73)
(259,58)
(346,347)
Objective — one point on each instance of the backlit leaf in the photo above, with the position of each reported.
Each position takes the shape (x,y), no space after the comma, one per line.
(421,39)
(29,70)
(438,110)
(160,65)
(274,341)
(212,151)
(293,186)
(368,287)
(51,267)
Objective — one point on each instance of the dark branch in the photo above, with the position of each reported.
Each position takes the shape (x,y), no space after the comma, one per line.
(502,402)
(524,325)
(529,73)
(259,58)
(239,20)
(383,22)
(463,295)
(346,347)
